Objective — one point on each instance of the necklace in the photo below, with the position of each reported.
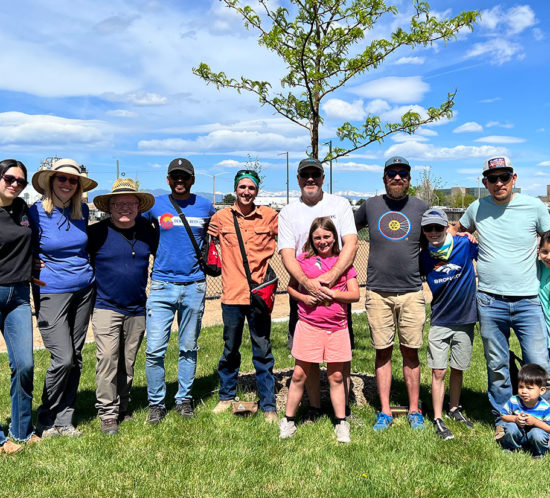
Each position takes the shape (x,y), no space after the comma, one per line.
(132,242)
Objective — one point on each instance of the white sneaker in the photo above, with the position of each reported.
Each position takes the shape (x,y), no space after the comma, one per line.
(287,428)
(342,432)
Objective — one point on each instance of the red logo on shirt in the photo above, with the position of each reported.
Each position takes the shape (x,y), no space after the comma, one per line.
(166,220)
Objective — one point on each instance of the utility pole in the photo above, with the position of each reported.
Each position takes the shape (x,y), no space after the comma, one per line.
(117,170)
(329,143)
(287,184)
(213,183)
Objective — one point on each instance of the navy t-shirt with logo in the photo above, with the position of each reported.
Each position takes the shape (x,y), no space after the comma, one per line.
(394,232)
(176,259)
(453,284)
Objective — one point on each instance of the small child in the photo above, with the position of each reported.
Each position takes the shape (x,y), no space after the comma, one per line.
(447,262)
(544,275)
(322,330)
(526,416)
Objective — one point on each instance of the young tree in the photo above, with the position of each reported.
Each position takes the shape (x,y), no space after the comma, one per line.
(428,188)
(323,47)
(228,199)
(255,165)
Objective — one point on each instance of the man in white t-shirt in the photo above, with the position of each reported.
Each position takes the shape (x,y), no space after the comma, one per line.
(507,224)
(294,223)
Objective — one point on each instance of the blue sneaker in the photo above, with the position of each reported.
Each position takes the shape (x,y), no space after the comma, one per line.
(383,422)
(416,420)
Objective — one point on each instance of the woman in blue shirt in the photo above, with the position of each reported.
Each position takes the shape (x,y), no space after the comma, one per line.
(64,303)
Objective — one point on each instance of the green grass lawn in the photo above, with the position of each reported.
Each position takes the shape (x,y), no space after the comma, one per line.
(226,455)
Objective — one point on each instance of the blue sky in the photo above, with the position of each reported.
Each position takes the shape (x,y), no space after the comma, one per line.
(100,81)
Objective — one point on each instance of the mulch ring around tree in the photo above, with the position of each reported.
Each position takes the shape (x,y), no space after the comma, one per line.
(363,388)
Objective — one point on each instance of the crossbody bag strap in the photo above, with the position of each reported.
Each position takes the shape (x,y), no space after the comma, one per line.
(243,252)
(189,231)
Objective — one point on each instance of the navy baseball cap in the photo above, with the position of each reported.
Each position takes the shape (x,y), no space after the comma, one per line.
(397,161)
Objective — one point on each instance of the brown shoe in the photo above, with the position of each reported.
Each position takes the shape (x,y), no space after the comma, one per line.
(271,417)
(499,432)
(33,439)
(109,426)
(222,406)
(10,448)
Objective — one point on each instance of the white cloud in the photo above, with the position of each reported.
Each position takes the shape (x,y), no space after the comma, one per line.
(514,20)
(497,51)
(353,166)
(122,113)
(490,124)
(403,137)
(19,129)
(538,34)
(395,89)
(138,98)
(394,115)
(339,109)
(490,101)
(229,163)
(500,139)
(429,152)
(426,132)
(226,140)
(469,171)
(377,106)
(469,127)
(541,173)
(544,163)
(410,60)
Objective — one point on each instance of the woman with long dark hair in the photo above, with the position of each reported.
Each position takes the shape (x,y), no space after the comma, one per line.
(15,310)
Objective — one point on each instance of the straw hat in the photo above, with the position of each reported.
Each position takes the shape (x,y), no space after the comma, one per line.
(124,186)
(41,178)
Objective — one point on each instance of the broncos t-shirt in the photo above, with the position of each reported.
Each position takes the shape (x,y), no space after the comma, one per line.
(453,284)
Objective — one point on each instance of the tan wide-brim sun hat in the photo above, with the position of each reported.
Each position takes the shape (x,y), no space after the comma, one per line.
(125,186)
(41,178)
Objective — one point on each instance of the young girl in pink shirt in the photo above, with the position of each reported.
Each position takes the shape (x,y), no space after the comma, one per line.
(322,332)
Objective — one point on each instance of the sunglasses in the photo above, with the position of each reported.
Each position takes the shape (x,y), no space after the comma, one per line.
(402,174)
(503,177)
(316,173)
(121,205)
(10,179)
(63,179)
(250,172)
(433,228)
(180,176)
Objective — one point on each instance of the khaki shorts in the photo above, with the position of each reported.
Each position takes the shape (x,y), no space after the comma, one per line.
(386,310)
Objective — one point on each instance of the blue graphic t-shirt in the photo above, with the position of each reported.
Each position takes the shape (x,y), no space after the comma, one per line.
(453,284)
(394,236)
(176,259)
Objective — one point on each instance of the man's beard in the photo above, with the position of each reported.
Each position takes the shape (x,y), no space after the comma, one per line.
(397,192)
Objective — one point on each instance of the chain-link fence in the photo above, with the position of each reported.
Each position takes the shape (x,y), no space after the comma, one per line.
(214,284)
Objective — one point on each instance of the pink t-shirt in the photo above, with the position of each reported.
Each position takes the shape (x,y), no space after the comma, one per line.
(328,316)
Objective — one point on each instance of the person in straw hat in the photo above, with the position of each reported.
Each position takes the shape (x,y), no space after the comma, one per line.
(65,302)
(119,249)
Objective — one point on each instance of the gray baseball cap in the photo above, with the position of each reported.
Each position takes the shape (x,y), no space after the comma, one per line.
(434,216)
(397,161)
(497,162)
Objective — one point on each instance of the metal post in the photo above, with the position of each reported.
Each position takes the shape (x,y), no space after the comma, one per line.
(117,170)
(329,143)
(214,190)
(287,181)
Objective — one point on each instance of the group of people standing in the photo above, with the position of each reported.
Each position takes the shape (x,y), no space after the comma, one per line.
(102,270)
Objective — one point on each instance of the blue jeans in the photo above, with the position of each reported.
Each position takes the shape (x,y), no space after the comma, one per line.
(262,357)
(496,317)
(517,438)
(165,300)
(16,326)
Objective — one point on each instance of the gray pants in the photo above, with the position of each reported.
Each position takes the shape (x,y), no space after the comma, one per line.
(63,321)
(118,338)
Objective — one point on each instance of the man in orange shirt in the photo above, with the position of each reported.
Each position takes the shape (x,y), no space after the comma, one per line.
(258,227)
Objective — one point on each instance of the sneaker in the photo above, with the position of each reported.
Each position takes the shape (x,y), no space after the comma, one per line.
(416,420)
(68,430)
(271,417)
(457,415)
(442,430)
(109,426)
(342,432)
(185,408)
(10,448)
(46,431)
(156,414)
(383,422)
(286,428)
(222,406)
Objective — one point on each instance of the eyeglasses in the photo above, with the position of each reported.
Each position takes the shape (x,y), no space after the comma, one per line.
(503,177)
(402,174)
(10,179)
(433,228)
(249,172)
(314,173)
(63,179)
(121,205)
(184,177)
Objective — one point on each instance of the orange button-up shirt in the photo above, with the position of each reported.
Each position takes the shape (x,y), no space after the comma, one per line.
(258,230)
